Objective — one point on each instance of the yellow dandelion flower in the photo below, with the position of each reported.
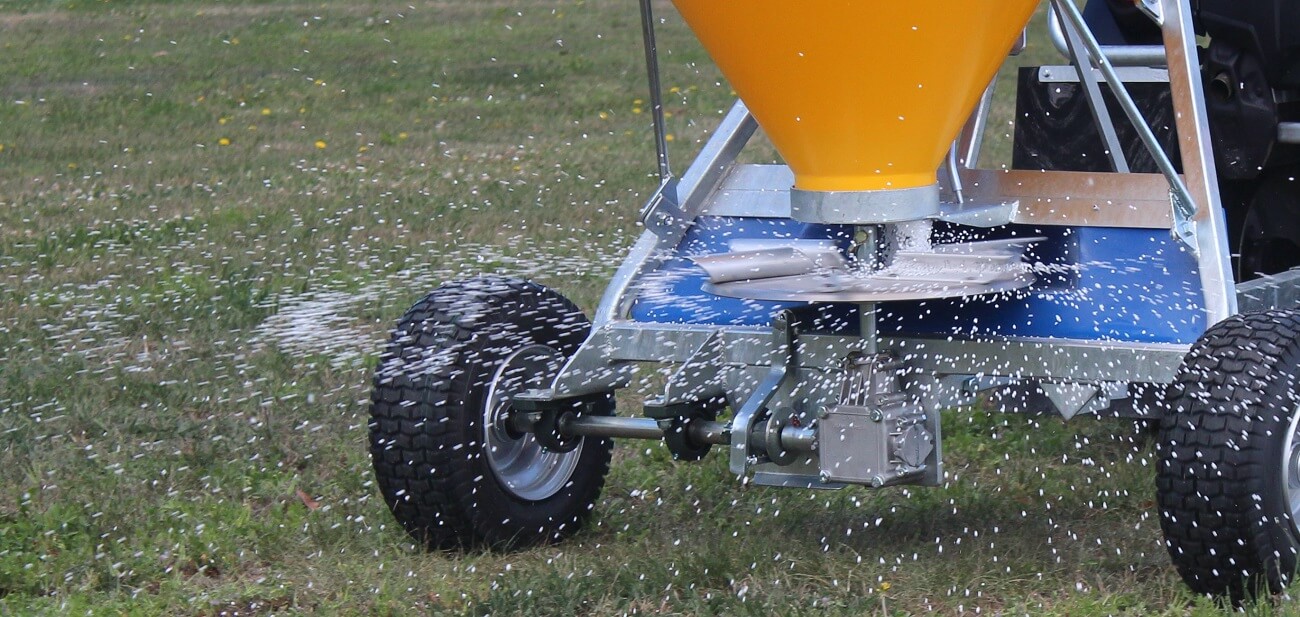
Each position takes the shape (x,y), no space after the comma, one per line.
(402,135)
(2,147)
(636,110)
(637,101)
(224,141)
(223,120)
(885,586)
(668,137)
(320,144)
(72,165)
(674,90)
(266,111)
(363,148)
(604,116)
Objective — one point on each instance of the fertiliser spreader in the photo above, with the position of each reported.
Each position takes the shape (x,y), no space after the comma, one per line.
(817,315)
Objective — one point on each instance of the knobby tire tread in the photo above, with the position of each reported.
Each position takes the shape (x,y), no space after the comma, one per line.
(1225,518)
(423,451)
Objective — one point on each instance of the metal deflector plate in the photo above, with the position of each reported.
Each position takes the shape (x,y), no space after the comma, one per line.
(824,275)
(831,287)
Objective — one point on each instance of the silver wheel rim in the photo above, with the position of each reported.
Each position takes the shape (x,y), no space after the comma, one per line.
(521,465)
(1291,470)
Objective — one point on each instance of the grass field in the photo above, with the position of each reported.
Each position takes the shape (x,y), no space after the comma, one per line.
(210,213)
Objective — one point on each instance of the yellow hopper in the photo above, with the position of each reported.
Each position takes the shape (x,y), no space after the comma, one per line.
(862,98)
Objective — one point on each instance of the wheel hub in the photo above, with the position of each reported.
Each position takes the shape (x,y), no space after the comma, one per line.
(1291,470)
(524,468)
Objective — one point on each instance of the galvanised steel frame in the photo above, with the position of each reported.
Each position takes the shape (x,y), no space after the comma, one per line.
(760,369)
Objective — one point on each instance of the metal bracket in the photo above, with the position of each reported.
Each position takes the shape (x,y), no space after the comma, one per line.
(588,371)
(1067,74)
(784,367)
(700,377)
(1184,215)
(662,213)
(1071,399)
(545,417)
(688,194)
(695,391)
(1153,9)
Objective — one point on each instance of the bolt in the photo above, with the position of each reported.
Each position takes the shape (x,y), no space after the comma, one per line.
(877,482)
(824,412)
(876,416)
(825,476)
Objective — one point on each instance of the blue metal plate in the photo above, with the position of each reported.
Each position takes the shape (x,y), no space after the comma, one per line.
(1133,285)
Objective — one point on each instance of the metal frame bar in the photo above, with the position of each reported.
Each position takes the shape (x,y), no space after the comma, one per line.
(656,92)
(1039,358)
(704,173)
(971,139)
(1100,114)
(1288,132)
(1209,223)
(1118,55)
(1281,290)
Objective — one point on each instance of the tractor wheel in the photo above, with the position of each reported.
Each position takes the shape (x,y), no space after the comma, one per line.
(1228,478)
(451,470)
(1270,231)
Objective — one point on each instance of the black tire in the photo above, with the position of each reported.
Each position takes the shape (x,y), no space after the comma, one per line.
(429,441)
(1270,230)
(1224,447)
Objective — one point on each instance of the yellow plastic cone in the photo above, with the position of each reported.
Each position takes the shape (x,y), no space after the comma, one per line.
(859,95)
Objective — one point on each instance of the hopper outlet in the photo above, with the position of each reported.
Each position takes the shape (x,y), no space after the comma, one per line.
(862,98)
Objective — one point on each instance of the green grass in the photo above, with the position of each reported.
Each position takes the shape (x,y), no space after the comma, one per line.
(179,180)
